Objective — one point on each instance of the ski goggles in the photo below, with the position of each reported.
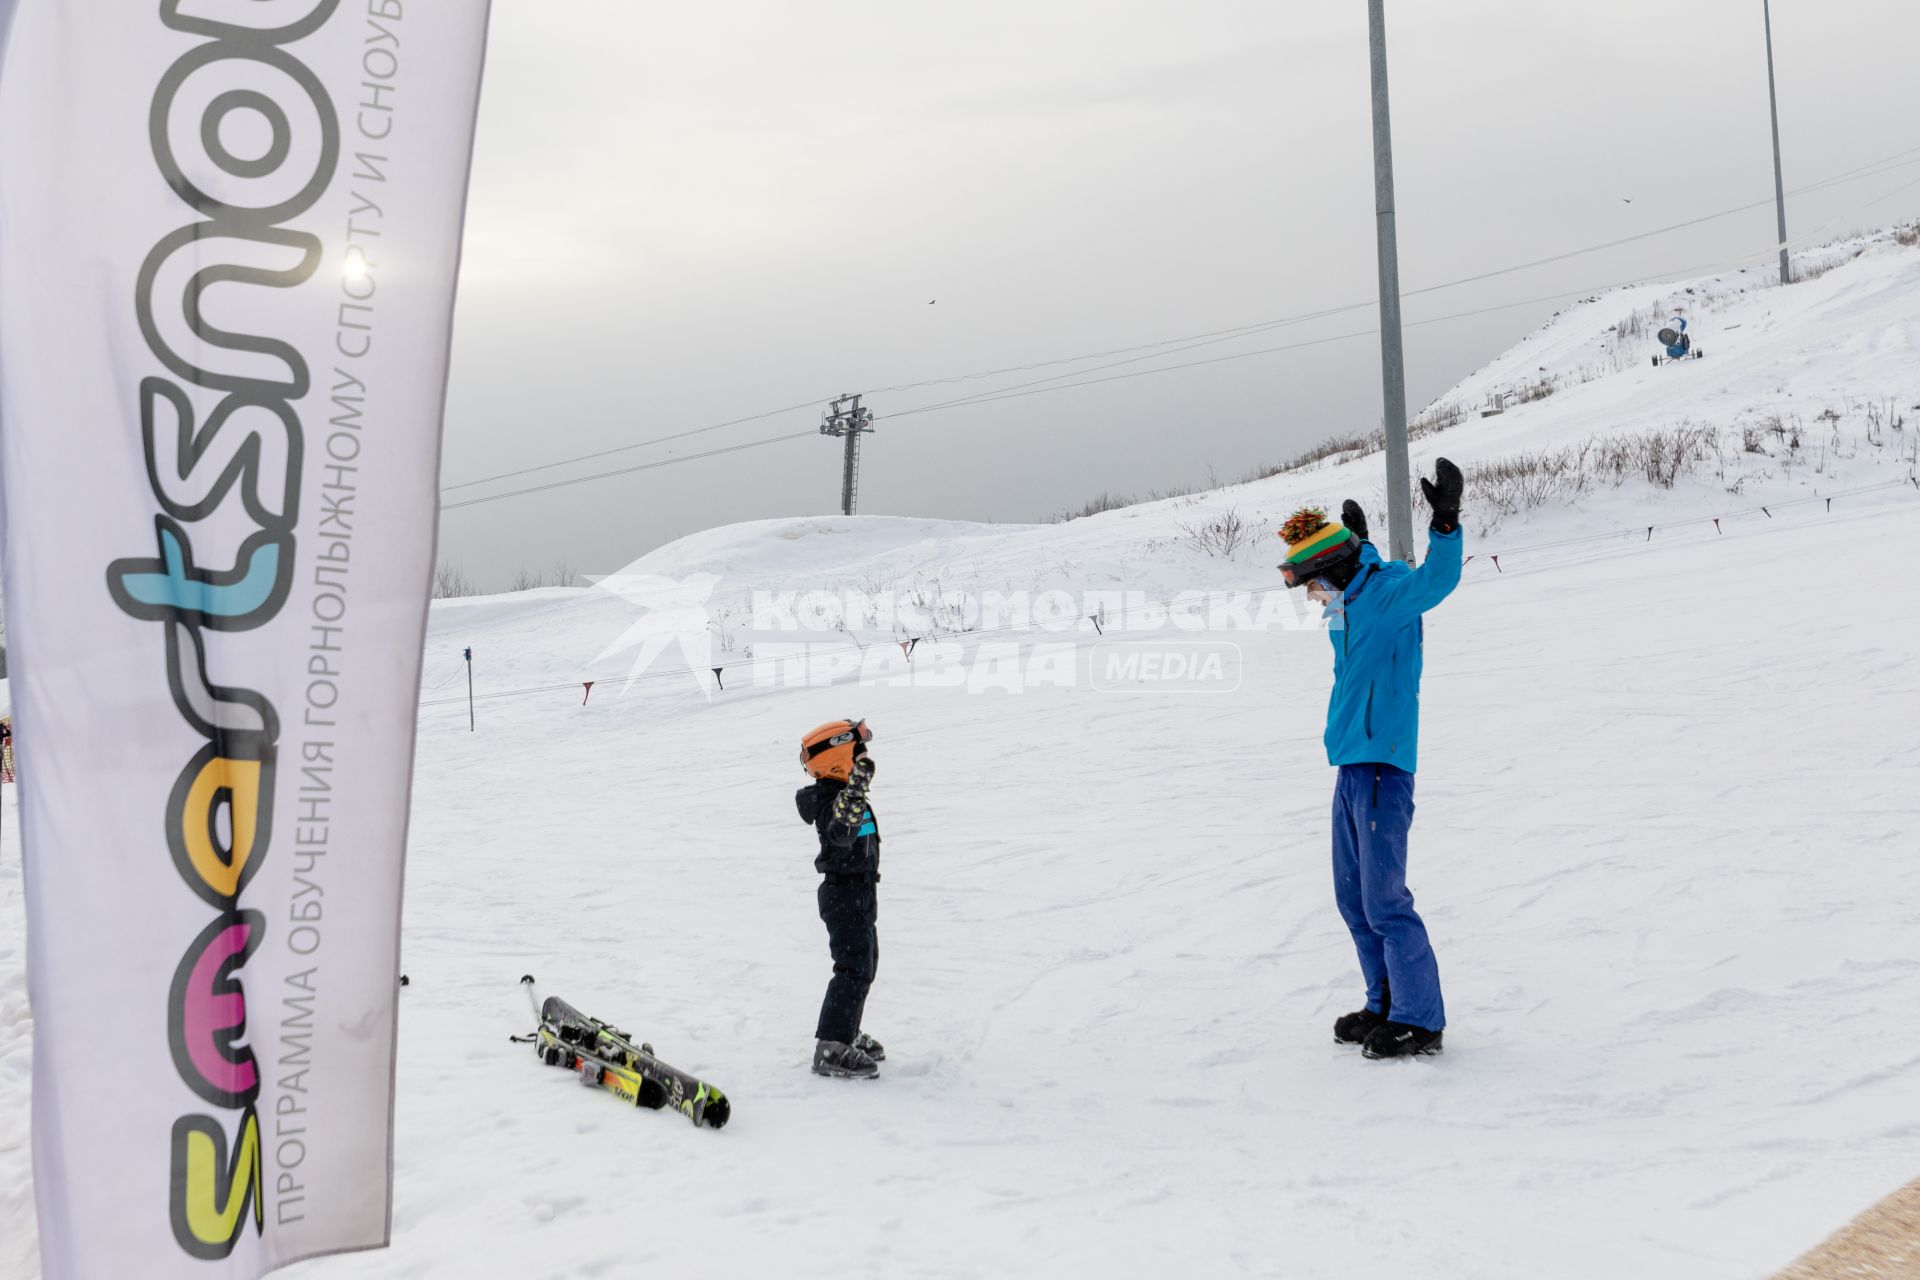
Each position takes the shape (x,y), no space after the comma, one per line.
(857,732)
(1291,575)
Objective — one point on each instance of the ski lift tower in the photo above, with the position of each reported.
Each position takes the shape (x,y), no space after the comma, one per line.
(844,417)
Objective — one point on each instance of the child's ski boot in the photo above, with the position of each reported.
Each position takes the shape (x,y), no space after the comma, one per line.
(832,1058)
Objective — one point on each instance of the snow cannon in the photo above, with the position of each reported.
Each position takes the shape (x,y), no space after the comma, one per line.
(1679,346)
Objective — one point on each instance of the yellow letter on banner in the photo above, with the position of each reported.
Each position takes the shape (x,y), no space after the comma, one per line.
(239,782)
(209,1194)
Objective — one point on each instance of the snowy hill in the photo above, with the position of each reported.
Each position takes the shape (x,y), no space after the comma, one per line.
(1667,815)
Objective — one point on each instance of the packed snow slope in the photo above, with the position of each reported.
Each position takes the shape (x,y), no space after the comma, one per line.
(1667,813)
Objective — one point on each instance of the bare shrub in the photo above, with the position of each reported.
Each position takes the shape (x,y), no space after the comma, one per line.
(1646,320)
(1105,501)
(449,581)
(1359,446)
(1908,235)
(1524,481)
(1809,267)
(1111,501)
(1435,418)
(525,579)
(563,574)
(1221,536)
(1539,390)
(1518,483)
(1660,456)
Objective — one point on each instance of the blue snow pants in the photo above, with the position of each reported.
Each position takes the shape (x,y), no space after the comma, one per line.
(1372,810)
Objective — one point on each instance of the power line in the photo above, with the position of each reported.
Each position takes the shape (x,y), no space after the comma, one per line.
(982,399)
(1238,331)
(604,453)
(1030,389)
(1153,350)
(1246,330)
(622,471)
(1230,335)
(1019,390)
(1014,393)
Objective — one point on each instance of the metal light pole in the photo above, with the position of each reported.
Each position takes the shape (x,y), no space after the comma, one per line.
(1779,185)
(1393,374)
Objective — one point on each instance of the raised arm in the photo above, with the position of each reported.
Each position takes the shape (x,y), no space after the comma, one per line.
(1410,596)
(1427,586)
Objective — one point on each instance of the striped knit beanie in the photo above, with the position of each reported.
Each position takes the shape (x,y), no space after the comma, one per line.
(1315,545)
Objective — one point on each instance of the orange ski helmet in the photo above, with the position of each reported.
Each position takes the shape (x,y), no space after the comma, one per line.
(829,751)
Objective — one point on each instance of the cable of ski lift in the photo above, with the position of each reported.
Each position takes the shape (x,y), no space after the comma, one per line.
(1871,169)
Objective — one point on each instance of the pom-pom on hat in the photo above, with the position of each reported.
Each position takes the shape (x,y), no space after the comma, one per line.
(1315,545)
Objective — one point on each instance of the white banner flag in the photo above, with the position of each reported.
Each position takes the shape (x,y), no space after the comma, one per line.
(229,232)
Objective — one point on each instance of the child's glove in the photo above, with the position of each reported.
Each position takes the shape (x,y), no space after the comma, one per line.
(851,804)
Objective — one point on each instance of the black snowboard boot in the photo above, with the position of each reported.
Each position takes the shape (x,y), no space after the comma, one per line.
(1355,1027)
(871,1047)
(1400,1040)
(832,1058)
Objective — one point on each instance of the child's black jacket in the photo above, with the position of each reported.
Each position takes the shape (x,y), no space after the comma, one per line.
(842,853)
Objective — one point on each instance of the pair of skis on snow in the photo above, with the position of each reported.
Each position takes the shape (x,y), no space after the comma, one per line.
(602,1055)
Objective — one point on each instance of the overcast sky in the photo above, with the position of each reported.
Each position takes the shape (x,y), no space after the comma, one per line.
(683,214)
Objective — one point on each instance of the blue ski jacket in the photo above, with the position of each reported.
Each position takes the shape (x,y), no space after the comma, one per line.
(1373,716)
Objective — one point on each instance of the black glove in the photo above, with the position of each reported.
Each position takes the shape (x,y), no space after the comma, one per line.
(851,803)
(1443,495)
(1354,518)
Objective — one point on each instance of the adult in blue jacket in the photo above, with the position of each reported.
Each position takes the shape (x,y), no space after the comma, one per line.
(1374,607)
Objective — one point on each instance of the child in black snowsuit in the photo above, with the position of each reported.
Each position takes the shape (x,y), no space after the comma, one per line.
(835,754)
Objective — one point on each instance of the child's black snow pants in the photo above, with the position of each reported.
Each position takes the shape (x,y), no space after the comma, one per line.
(849,907)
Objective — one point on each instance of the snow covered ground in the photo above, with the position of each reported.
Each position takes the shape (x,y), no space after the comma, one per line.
(1668,805)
